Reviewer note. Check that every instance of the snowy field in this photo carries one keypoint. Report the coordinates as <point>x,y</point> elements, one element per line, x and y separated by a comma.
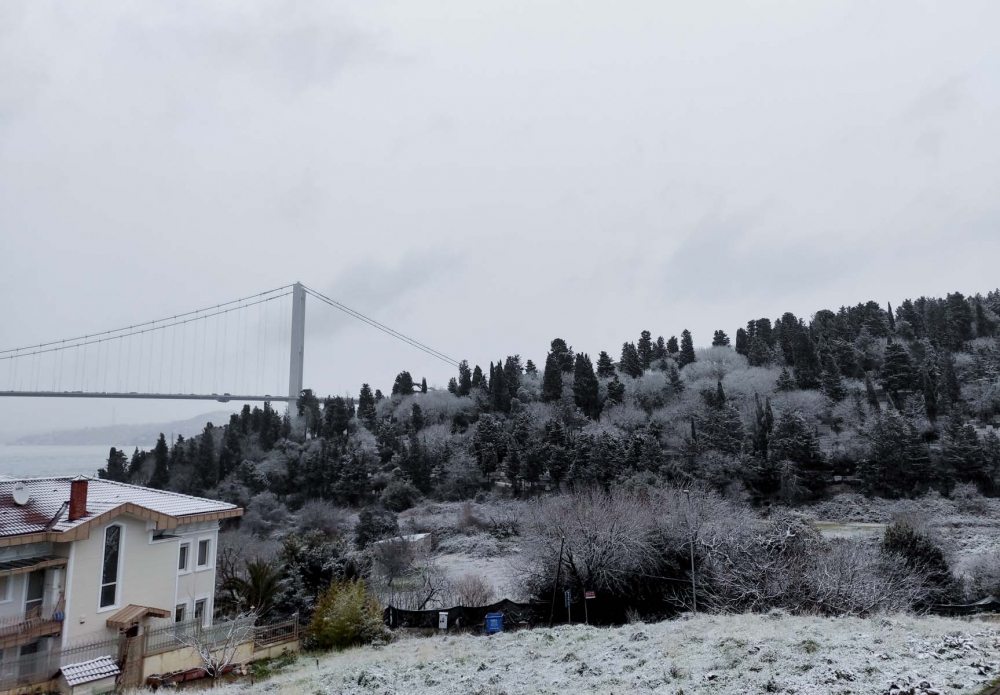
<point>722,655</point>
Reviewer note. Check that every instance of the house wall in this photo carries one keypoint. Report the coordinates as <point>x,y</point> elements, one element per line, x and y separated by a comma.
<point>148,575</point>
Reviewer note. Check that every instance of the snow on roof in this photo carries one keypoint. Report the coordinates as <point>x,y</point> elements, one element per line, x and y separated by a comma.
<point>46,509</point>
<point>88,671</point>
<point>411,538</point>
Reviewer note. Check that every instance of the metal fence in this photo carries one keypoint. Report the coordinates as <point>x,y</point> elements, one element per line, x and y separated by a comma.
<point>43,666</point>
<point>276,632</point>
<point>163,637</point>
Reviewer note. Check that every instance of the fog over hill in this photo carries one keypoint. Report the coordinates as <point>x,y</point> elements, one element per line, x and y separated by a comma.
<point>126,435</point>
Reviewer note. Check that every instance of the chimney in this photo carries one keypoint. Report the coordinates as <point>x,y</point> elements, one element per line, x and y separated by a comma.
<point>77,498</point>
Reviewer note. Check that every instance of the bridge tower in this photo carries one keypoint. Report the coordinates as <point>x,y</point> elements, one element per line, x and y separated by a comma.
<point>298,344</point>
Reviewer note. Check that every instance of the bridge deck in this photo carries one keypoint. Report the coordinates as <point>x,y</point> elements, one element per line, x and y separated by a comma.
<point>221,397</point>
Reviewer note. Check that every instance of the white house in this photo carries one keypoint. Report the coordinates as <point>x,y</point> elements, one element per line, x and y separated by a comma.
<point>84,559</point>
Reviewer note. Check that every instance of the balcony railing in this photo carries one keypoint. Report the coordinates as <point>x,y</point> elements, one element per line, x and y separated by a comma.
<point>34,622</point>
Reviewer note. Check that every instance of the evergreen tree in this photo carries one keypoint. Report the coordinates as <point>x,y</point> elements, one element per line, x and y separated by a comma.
<point>138,458</point>
<point>807,364</point>
<point>793,441</point>
<point>478,382</point>
<point>464,379</point>
<point>499,393</point>
<point>512,372</point>
<point>763,426</point>
<point>929,380</point>
<point>897,460</point>
<point>232,453</point>
<point>720,339</point>
<point>785,381</point>
<point>161,474</point>
<point>672,345</point>
<point>871,395</point>
<point>742,342</point>
<point>630,363</point>
<point>307,406</point>
<point>117,467</point>
<point>644,350</point>
<point>687,349</point>
<point>897,369</point>
<point>366,407</point>
<point>208,470</point>
<point>453,386</point>
<point>674,375</point>
<point>552,379</point>
<point>403,385</point>
<point>336,417</point>
<point>759,355</point>
<point>423,384</point>
<point>833,385</point>
<point>964,456</point>
<point>892,321</point>
<point>605,366</point>
<point>616,390</point>
<point>563,354</point>
<point>952,390</point>
<point>416,418</point>
<point>530,368</point>
<point>586,393</point>
<point>378,396</point>
<point>659,349</point>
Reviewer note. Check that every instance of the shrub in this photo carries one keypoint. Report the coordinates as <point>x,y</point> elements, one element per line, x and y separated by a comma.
<point>468,522</point>
<point>921,554</point>
<point>399,495</point>
<point>374,525</point>
<point>322,516</point>
<point>347,614</point>
<point>473,590</point>
<point>264,515</point>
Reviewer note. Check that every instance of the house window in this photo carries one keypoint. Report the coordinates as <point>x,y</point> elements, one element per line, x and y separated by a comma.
<point>204,548</point>
<point>182,561</point>
<point>35,595</point>
<point>179,612</point>
<point>110,566</point>
<point>4,590</point>
<point>199,610</point>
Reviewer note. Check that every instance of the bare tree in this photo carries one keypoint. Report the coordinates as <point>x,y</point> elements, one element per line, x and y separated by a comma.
<point>218,645</point>
<point>473,590</point>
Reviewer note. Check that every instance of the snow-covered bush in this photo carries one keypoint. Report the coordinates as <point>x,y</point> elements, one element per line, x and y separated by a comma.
<point>347,614</point>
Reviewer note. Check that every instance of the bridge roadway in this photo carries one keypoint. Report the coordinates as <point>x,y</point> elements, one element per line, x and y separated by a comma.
<point>221,397</point>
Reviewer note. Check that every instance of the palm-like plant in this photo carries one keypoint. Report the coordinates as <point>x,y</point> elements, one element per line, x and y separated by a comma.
<point>255,587</point>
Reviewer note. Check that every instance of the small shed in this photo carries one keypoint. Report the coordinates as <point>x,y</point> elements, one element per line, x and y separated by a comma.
<point>93,677</point>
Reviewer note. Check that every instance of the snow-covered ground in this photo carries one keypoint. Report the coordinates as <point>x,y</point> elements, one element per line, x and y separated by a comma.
<point>722,655</point>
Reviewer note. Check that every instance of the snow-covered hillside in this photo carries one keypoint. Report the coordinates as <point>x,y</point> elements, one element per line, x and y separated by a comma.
<point>722,655</point>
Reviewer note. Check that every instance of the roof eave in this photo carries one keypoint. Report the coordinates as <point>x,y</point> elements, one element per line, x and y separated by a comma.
<point>82,531</point>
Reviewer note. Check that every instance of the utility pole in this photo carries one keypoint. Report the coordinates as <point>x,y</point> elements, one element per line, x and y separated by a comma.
<point>555,584</point>
<point>694,581</point>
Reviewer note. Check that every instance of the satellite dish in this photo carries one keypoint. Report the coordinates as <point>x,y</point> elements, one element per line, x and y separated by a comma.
<point>21,494</point>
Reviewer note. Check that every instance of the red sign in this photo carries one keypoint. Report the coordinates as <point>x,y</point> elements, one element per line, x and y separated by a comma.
<point>589,594</point>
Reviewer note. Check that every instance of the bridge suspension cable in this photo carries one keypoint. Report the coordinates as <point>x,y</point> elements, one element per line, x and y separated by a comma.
<point>385,329</point>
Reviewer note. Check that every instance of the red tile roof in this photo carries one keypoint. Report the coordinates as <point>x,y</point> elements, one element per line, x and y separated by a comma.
<point>47,510</point>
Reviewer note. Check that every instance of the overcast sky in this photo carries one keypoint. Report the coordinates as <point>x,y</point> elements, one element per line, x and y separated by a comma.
<point>486,175</point>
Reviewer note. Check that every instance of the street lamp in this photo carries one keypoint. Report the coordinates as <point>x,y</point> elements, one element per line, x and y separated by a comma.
<point>694,584</point>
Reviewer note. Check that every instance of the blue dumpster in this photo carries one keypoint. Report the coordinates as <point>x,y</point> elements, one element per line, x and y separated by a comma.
<point>494,623</point>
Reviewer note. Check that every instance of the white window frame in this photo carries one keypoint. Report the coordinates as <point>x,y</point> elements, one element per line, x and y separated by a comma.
<point>10,591</point>
<point>183,605</point>
<point>120,579</point>
<point>206,617</point>
<point>209,556</point>
<point>187,565</point>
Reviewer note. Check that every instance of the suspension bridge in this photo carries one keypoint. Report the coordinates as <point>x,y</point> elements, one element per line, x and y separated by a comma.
<point>241,350</point>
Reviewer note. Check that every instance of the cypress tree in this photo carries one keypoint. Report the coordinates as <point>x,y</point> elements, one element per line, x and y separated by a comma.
<point>464,378</point>
<point>630,363</point>
<point>453,386</point>
<point>378,395</point>
<point>742,342</point>
<point>231,453</point>
<point>552,379</point>
<point>720,339</point>
<point>892,320</point>
<point>605,365</point>
<point>208,470</point>
<point>416,418</point>
<point>563,354</point>
<point>161,474</point>
<point>423,384</point>
<point>807,365</point>
<point>672,348</point>
<point>586,392</point>
<point>116,468</point>
<point>403,385</point>
<point>530,368</point>
<point>833,385</point>
<point>659,349</point>
<point>687,349</point>
<point>871,394</point>
<point>674,375</point>
<point>478,382</point>
<point>645,350</point>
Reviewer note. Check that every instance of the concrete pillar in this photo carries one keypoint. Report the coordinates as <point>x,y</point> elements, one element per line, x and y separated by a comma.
<point>297,354</point>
